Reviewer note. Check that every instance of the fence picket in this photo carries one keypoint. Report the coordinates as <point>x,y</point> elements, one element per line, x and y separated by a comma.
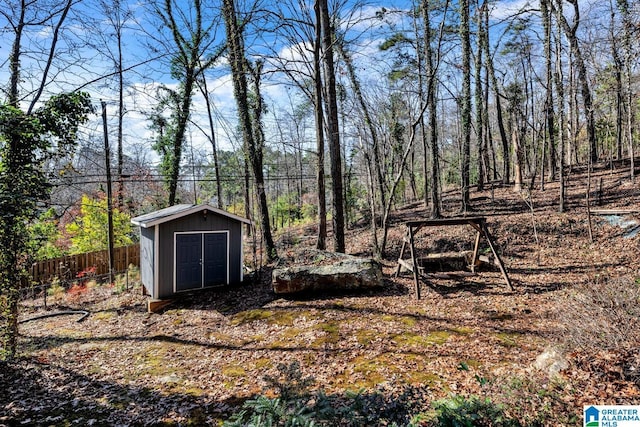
<point>68,266</point>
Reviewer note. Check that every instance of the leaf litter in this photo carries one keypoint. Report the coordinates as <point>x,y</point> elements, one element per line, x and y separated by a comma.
<point>201,357</point>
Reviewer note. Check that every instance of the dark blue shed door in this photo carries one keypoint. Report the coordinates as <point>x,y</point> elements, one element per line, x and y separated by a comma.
<point>215,259</point>
<point>188,261</point>
<point>201,260</point>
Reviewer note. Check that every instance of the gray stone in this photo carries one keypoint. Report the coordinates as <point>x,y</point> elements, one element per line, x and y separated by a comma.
<point>552,361</point>
<point>347,273</point>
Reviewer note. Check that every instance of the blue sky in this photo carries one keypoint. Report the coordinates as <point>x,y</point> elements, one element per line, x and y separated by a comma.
<point>87,64</point>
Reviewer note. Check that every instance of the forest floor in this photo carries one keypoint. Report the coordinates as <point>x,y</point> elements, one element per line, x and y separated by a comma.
<point>199,358</point>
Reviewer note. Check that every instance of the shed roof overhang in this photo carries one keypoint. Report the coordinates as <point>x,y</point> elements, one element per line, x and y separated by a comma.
<point>178,211</point>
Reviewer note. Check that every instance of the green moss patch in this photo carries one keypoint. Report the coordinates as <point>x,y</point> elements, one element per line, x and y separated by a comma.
<point>508,339</point>
<point>331,334</point>
<point>263,363</point>
<point>104,315</point>
<point>234,371</point>
<point>411,339</point>
<point>249,316</point>
<point>366,336</point>
<point>273,317</point>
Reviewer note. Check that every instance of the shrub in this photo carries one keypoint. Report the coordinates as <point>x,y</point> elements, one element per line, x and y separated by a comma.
<point>76,291</point>
<point>473,411</point>
<point>296,405</point>
<point>608,306</point>
<point>56,290</point>
<point>605,315</point>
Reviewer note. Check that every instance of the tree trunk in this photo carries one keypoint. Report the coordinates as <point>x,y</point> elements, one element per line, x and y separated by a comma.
<point>506,161</point>
<point>517,152</point>
<point>335,154</point>
<point>585,90</point>
<point>480,141</point>
<point>549,108</point>
<point>319,117</point>
<point>120,142</point>
<point>618,66</point>
<point>370,126</point>
<point>559,82</point>
<point>623,5</point>
<point>465,104</point>
<point>212,139</point>
<point>432,59</point>
<point>238,62</point>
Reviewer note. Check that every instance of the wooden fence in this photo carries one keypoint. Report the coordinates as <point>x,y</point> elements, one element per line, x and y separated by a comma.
<point>67,267</point>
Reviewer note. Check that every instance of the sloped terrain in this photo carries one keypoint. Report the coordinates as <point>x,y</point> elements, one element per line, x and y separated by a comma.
<point>197,360</point>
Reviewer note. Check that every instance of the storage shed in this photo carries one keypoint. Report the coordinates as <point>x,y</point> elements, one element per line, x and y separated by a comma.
<point>187,247</point>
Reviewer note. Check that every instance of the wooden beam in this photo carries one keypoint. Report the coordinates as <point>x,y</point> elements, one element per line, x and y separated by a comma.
<point>405,264</point>
<point>476,247</point>
<point>416,278</point>
<point>446,221</point>
<point>404,245</point>
<point>155,305</point>
<point>487,235</point>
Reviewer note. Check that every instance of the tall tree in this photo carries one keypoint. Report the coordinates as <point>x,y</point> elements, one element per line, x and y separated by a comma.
<point>629,58</point>
<point>117,14</point>
<point>432,59</point>
<point>194,51</point>
<point>335,154</point>
<point>240,69</point>
<point>319,117</point>
<point>27,141</point>
<point>211,136</point>
<point>549,102</point>
<point>371,134</point>
<point>506,161</point>
<point>571,32</point>
<point>465,103</point>
<point>558,79</point>
<point>483,163</point>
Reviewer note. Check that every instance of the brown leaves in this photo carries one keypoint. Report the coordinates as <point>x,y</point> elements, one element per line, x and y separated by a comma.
<point>205,354</point>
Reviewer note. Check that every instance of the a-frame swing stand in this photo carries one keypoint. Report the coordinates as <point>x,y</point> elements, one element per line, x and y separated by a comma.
<point>478,223</point>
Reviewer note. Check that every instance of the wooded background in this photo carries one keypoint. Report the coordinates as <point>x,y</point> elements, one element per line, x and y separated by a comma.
<point>286,112</point>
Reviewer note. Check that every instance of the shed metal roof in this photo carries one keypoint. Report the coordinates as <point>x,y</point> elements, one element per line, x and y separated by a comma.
<point>178,211</point>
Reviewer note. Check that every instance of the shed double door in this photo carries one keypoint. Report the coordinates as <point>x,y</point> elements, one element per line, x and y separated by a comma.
<point>201,260</point>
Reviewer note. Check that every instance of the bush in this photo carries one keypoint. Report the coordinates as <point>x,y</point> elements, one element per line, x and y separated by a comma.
<point>474,411</point>
<point>56,290</point>
<point>608,306</point>
<point>296,405</point>
<point>605,315</point>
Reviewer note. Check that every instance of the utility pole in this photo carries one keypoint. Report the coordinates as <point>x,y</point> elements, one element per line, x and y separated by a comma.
<point>107,156</point>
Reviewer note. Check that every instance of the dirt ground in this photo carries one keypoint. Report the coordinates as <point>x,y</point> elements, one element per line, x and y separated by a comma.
<point>200,357</point>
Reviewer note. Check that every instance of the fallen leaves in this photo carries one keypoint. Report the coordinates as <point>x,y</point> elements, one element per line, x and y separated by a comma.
<point>201,357</point>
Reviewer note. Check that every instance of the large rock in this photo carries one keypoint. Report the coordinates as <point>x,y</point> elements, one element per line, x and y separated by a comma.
<point>553,361</point>
<point>347,272</point>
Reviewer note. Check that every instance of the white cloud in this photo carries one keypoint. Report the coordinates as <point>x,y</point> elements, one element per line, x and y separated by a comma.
<point>507,8</point>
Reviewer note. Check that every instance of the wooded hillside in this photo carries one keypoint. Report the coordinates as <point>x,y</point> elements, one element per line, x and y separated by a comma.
<point>565,337</point>
<point>327,124</point>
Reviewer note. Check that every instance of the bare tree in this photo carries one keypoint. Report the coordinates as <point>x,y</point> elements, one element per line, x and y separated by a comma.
<point>549,102</point>
<point>118,15</point>
<point>211,136</point>
<point>331,103</point>
<point>571,30</point>
<point>506,161</point>
<point>465,103</point>
<point>240,69</point>
<point>194,50</point>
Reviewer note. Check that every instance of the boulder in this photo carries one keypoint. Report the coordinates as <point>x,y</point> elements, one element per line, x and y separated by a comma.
<point>346,273</point>
<point>551,361</point>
